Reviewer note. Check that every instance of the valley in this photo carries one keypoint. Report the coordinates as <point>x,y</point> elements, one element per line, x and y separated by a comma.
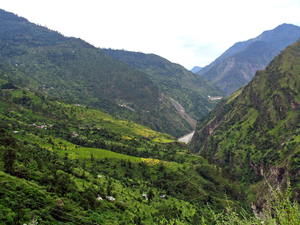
<point>184,90</point>
<point>103,136</point>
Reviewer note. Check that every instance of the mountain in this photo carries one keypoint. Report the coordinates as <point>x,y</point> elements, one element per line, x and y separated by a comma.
<point>72,69</point>
<point>238,69</point>
<point>67,163</point>
<point>237,65</point>
<point>254,133</point>
<point>186,91</point>
<point>196,69</point>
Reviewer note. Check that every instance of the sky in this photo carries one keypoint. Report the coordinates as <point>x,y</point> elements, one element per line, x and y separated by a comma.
<point>188,32</point>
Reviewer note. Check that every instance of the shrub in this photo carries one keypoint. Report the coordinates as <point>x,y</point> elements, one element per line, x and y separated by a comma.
<point>279,209</point>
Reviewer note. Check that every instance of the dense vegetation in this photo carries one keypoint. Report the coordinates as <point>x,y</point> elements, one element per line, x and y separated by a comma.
<point>63,161</point>
<point>68,68</point>
<point>238,65</point>
<point>174,81</point>
<point>63,166</point>
<point>254,134</point>
<point>58,158</point>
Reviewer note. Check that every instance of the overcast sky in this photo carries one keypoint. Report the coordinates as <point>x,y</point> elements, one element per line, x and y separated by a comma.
<point>188,32</point>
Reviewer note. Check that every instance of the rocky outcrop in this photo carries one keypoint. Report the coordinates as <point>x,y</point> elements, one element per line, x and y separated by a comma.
<point>275,179</point>
<point>183,114</point>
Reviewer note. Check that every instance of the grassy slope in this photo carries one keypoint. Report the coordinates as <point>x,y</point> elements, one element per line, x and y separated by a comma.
<point>256,133</point>
<point>188,180</point>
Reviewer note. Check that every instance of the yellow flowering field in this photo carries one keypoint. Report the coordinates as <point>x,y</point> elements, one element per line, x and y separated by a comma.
<point>150,162</point>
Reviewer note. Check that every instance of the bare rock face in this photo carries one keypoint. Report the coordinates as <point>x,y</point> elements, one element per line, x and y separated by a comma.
<point>183,113</point>
<point>275,179</point>
<point>213,126</point>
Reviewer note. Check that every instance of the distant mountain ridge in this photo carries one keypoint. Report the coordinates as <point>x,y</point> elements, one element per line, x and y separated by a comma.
<point>255,56</point>
<point>196,69</point>
<point>174,81</point>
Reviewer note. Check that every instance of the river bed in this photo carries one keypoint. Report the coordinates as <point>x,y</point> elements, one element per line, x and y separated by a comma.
<point>186,138</point>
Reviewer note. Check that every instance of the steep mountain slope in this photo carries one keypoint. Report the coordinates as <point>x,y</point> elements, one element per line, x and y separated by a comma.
<point>238,69</point>
<point>72,69</point>
<point>254,134</point>
<point>174,81</point>
<point>244,58</point>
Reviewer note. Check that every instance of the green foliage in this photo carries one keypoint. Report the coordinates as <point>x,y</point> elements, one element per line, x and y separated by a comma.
<point>9,157</point>
<point>43,60</point>
<point>150,195</point>
<point>8,85</point>
<point>278,209</point>
<point>189,89</point>
<point>70,163</point>
<point>68,156</point>
<point>254,132</point>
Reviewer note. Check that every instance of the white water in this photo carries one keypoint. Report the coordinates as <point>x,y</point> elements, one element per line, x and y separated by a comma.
<point>187,138</point>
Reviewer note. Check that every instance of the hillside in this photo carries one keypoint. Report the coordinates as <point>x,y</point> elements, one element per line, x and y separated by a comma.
<point>67,163</point>
<point>174,81</point>
<point>44,60</point>
<point>237,65</point>
<point>254,133</point>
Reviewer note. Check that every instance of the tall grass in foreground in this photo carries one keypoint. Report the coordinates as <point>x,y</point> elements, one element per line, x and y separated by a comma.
<point>278,209</point>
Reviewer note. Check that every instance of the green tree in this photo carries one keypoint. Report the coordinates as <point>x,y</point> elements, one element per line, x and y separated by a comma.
<point>92,157</point>
<point>20,212</point>
<point>50,141</point>
<point>64,183</point>
<point>150,195</point>
<point>9,157</point>
<point>108,189</point>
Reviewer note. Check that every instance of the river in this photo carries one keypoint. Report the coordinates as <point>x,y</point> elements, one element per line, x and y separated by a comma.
<point>186,138</point>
